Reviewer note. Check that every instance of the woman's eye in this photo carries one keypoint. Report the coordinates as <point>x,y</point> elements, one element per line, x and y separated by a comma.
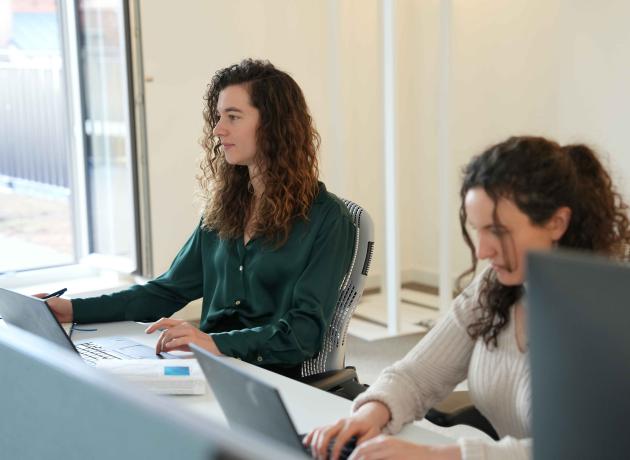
<point>233,117</point>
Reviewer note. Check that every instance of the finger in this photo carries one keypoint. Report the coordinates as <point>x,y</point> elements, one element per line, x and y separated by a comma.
<point>331,437</point>
<point>371,433</point>
<point>163,323</point>
<point>318,446</point>
<point>373,449</point>
<point>40,295</point>
<point>314,441</point>
<point>180,343</point>
<point>159,345</point>
<point>341,439</point>
<point>325,437</point>
<point>309,437</point>
<point>181,329</point>
<point>364,452</point>
<point>178,331</point>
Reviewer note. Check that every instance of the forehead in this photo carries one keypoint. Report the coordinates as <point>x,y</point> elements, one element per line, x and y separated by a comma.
<point>234,96</point>
<point>480,210</point>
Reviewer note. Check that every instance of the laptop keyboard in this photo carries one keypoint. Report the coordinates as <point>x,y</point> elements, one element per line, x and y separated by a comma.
<point>92,352</point>
<point>345,452</point>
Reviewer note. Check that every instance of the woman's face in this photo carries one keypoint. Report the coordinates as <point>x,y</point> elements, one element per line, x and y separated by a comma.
<point>237,125</point>
<point>505,241</point>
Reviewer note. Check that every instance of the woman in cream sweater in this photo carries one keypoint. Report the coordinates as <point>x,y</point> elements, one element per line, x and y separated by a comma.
<point>526,193</point>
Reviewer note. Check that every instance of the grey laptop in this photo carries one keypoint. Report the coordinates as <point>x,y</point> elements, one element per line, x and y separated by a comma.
<point>251,403</point>
<point>34,315</point>
<point>579,322</point>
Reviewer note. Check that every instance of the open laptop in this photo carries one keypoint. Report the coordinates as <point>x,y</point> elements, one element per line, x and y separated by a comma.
<point>34,315</point>
<point>579,339</point>
<point>251,403</point>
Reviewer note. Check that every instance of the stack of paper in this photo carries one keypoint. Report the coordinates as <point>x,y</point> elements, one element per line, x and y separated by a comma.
<point>161,376</point>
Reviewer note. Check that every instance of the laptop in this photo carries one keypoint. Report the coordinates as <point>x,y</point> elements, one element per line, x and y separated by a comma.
<point>34,315</point>
<point>579,329</point>
<point>251,403</point>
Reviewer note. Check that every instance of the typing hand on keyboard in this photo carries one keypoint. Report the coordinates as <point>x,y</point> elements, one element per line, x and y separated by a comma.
<point>366,423</point>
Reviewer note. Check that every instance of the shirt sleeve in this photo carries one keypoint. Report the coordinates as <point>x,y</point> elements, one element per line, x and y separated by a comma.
<point>430,371</point>
<point>157,298</point>
<point>298,334</point>
<point>508,447</point>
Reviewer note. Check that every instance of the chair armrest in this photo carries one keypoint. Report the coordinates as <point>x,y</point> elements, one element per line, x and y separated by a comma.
<point>342,382</point>
<point>330,379</point>
<point>464,416</point>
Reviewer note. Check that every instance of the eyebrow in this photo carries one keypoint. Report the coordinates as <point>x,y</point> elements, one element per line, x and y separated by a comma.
<point>231,109</point>
<point>484,227</point>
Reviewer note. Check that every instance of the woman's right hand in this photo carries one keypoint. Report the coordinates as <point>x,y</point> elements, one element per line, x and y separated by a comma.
<point>364,424</point>
<point>62,308</point>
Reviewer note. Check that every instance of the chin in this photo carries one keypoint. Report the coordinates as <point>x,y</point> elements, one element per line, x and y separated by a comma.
<point>509,279</point>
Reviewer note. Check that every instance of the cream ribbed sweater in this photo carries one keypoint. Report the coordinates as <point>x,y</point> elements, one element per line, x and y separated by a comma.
<point>498,381</point>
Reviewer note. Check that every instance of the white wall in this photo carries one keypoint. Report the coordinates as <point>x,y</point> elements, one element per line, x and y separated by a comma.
<point>593,87</point>
<point>557,67</point>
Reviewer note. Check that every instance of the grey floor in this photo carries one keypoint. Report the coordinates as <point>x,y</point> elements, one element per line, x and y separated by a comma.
<point>370,357</point>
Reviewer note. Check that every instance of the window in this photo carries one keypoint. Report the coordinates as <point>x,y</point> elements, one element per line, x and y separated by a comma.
<point>67,173</point>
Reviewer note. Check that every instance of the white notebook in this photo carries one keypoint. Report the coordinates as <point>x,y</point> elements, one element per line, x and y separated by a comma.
<point>160,376</point>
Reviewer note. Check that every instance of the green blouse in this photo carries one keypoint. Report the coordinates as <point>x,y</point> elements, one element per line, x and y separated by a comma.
<point>265,305</point>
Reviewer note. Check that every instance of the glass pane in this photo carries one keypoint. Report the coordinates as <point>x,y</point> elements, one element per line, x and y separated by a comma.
<point>35,190</point>
<point>108,158</point>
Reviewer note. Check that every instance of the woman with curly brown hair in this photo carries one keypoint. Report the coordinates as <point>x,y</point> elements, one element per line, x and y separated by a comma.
<point>527,193</point>
<point>272,246</point>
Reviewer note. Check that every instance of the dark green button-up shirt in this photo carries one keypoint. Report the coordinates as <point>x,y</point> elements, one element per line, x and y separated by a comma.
<point>266,305</point>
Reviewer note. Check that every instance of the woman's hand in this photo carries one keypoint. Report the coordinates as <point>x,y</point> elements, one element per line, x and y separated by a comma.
<point>365,424</point>
<point>387,447</point>
<point>61,308</point>
<point>177,334</point>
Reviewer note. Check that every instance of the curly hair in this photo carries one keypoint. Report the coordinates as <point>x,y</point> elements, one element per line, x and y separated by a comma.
<point>539,176</point>
<point>287,145</point>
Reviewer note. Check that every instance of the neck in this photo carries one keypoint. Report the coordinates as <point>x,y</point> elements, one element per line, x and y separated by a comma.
<point>255,177</point>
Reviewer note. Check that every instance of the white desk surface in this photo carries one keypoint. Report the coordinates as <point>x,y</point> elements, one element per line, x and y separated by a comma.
<point>309,407</point>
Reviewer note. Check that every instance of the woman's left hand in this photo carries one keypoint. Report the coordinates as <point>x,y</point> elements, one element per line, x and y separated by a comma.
<point>177,334</point>
<point>387,447</point>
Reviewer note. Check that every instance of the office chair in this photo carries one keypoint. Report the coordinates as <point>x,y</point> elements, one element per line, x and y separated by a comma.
<point>327,370</point>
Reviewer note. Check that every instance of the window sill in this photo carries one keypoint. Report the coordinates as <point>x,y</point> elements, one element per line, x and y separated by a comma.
<point>80,280</point>
<point>83,281</point>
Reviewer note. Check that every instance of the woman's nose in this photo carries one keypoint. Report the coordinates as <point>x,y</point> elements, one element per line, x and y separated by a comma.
<point>219,129</point>
<point>485,249</point>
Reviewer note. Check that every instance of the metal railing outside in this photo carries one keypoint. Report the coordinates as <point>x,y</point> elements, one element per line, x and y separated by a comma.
<point>34,143</point>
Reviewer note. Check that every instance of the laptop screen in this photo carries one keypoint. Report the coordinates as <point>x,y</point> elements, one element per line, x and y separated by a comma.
<point>247,401</point>
<point>33,315</point>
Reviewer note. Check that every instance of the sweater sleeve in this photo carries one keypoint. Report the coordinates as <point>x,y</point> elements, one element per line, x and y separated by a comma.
<point>430,371</point>
<point>508,447</point>
<point>158,298</point>
<point>297,335</point>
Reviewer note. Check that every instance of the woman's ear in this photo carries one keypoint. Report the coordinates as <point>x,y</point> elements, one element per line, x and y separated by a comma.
<point>559,222</point>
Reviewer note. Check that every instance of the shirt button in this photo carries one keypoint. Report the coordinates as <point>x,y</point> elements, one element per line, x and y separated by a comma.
<point>259,359</point>
<point>238,302</point>
<point>240,269</point>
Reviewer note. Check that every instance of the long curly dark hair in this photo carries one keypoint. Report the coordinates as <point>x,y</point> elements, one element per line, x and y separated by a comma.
<point>539,176</point>
<point>287,145</point>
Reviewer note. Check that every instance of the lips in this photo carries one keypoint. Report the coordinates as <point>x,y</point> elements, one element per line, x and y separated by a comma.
<point>227,146</point>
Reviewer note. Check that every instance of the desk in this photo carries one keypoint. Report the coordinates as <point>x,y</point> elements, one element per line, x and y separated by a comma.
<point>309,407</point>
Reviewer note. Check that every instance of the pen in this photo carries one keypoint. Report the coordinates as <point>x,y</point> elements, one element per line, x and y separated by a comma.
<point>58,293</point>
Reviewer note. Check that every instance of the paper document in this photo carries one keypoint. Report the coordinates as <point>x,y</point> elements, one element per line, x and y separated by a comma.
<point>161,376</point>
